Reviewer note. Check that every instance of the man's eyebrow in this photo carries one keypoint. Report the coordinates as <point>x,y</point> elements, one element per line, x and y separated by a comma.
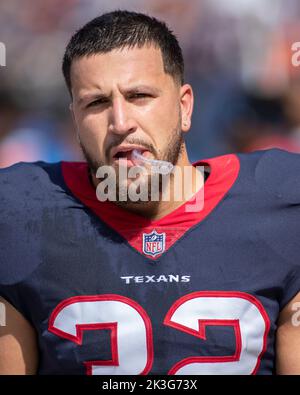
<point>89,97</point>
<point>132,89</point>
<point>148,88</point>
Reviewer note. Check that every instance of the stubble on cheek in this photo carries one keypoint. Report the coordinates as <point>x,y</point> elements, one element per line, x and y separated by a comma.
<point>170,153</point>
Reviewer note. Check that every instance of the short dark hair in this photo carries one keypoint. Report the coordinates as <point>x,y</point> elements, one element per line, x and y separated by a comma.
<point>120,29</point>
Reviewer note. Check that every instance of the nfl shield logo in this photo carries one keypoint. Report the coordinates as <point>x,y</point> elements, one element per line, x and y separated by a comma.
<point>154,243</point>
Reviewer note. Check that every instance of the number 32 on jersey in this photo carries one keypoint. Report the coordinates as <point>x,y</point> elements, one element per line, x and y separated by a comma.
<point>131,330</point>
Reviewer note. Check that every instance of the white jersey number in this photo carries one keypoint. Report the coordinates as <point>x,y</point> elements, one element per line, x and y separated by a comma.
<point>131,330</point>
<point>193,312</point>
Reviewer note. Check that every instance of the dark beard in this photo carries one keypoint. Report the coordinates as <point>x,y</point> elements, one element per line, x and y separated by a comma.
<point>172,155</point>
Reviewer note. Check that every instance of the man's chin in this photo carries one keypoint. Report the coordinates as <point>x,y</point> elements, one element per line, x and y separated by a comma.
<point>140,191</point>
<point>135,191</point>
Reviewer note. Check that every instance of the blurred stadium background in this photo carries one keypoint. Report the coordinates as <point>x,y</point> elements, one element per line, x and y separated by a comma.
<point>238,59</point>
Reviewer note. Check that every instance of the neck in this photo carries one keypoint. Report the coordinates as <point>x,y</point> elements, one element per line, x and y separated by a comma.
<point>181,186</point>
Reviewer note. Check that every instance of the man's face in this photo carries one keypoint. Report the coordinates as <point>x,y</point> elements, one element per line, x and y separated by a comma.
<point>123,100</point>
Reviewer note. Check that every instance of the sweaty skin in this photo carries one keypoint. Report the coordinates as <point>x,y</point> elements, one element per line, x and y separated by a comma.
<point>125,97</point>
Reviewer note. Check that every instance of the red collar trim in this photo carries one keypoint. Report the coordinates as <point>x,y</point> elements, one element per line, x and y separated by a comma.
<point>223,173</point>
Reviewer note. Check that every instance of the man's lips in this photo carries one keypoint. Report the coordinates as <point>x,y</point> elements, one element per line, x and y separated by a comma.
<point>125,152</point>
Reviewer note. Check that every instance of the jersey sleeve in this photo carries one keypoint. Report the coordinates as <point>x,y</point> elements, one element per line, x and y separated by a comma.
<point>10,294</point>
<point>277,174</point>
<point>20,222</point>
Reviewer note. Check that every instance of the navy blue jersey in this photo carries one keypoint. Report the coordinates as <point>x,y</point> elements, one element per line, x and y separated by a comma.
<point>195,292</point>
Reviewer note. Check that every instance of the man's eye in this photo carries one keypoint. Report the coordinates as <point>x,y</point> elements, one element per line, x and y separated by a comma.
<point>139,95</point>
<point>96,102</point>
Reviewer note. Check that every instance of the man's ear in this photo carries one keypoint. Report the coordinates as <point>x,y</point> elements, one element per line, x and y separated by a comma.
<point>71,110</point>
<point>187,105</point>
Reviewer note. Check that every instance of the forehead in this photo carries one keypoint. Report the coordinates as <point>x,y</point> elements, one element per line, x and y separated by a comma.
<point>120,67</point>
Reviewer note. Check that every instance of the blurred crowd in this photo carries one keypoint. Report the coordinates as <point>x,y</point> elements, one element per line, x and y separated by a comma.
<point>238,60</point>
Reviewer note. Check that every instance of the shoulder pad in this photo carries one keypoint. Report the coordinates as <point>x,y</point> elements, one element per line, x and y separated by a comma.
<point>23,188</point>
<point>278,173</point>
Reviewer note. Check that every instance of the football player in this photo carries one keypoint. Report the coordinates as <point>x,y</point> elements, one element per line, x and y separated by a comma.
<point>205,284</point>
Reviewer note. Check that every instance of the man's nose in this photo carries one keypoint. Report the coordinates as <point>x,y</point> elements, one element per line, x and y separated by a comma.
<point>121,120</point>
